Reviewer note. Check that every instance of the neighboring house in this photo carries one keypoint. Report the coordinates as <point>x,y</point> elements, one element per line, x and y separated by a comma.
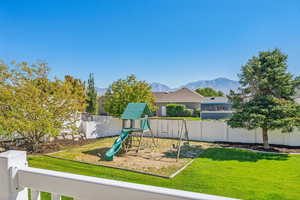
<point>216,108</point>
<point>297,100</point>
<point>183,96</point>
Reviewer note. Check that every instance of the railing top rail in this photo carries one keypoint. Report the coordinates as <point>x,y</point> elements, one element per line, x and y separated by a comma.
<point>91,188</point>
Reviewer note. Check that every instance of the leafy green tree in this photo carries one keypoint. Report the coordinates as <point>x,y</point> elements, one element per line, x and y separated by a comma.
<point>209,92</point>
<point>36,107</point>
<point>265,99</point>
<point>76,88</point>
<point>124,91</point>
<point>91,96</point>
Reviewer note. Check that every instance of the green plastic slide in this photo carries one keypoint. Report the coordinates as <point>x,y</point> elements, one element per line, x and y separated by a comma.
<point>109,155</point>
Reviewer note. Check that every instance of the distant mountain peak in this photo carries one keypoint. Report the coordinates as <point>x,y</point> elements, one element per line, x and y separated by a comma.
<point>159,87</point>
<point>223,84</point>
<point>222,79</point>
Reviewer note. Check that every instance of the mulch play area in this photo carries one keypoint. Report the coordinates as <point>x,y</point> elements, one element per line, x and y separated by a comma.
<point>48,147</point>
<point>156,160</point>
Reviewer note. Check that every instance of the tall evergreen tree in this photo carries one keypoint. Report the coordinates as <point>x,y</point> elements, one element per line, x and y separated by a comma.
<point>265,99</point>
<point>91,95</point>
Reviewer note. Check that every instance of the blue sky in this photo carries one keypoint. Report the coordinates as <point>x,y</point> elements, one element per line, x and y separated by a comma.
<point>167,41</point>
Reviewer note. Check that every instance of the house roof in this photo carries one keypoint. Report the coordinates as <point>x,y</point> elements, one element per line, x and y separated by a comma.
<point>215,100</point>
<point>135,111</point>
<point>182,95</point>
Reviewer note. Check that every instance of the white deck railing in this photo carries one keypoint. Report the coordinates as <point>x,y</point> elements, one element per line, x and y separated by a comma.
<point>16,177</point>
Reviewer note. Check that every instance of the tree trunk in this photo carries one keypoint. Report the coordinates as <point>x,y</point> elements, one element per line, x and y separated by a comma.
<point>35,147</point>
<point>265,138</point>
<point>34,142</point>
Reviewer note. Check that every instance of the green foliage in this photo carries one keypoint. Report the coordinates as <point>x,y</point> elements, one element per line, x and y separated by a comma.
<point>188,112</point>
<point>34,106</point>
<point>275,176</point>
<point>265,99</point>
<point>124,91</point>
<point>178,110</point>
<point>267,112</point>
<point>196,112</point>
<point>175,110</point>
<point>209,92</point>
<point>91,93</point>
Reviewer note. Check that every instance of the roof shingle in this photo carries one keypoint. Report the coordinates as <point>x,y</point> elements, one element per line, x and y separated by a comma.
<point>182,95</point>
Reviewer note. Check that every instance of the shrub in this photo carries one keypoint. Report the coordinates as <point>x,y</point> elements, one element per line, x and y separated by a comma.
<point>187,113</point>
<point>178,110</point>
<point>175,110</point>
<point>196,113</point>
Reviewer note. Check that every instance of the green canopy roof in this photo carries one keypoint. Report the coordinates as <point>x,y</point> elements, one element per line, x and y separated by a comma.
<point>136,111</point>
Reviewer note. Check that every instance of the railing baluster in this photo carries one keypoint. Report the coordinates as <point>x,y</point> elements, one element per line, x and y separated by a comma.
<point>55,197</point>
<point>35,195</point>
<point>15,175</point>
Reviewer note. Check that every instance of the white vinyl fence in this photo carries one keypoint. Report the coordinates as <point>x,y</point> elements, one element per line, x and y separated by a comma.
<point>202,130</point>
<point>16,177</point>
<point>101,126</point>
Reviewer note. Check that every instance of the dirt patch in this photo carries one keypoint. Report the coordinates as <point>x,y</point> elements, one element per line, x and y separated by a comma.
<point>159,159</point>
<point>259,147</point>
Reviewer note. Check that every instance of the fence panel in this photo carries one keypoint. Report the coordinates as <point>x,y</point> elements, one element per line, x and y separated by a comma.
<point>241,135</point>
<point>204,130</point>
<point>293,139</point>
<point>102,126</point>
<point>195,130</point>
<point>276,136</point>
<point>163,128</point>
<point>214,130</point>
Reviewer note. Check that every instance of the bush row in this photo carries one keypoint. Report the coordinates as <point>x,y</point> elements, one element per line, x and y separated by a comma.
<point>179,110</point>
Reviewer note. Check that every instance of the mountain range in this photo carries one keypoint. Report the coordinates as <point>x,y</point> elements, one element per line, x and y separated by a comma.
<point>222,84</point>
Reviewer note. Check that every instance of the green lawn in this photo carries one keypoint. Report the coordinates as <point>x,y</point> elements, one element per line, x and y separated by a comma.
<point>227,172</point>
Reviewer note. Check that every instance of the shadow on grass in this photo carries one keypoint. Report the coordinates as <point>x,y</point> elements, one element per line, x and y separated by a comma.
<point>100,152</point>
<point>186,151</point>
<point>222,154</point>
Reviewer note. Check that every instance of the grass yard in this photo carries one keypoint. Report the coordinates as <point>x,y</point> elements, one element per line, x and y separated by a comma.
<point>227,172</point>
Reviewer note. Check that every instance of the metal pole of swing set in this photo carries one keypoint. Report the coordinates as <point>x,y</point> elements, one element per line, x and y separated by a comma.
<point>179,142</point>
<point>186,134</point>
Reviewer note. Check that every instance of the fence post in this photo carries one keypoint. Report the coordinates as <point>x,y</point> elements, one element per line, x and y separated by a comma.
<point>10,162</point>
<point>227,133</point>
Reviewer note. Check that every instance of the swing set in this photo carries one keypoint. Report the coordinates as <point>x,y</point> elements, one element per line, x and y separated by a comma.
<point>182,136</point>
<point>131,133</point>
